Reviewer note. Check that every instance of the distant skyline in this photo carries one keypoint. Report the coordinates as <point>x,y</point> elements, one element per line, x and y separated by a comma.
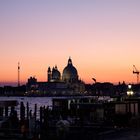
<point>101,36</point>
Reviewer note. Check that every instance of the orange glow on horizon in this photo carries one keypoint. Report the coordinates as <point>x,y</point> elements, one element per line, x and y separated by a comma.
<point>86,74</point>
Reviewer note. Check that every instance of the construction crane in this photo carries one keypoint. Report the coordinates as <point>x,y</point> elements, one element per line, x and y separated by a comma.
<point>135,71</point>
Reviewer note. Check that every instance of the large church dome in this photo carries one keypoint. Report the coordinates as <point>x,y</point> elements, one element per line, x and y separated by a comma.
<point>70,73</point>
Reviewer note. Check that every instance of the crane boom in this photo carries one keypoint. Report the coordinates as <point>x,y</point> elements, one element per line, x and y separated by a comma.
<point>135,71</point>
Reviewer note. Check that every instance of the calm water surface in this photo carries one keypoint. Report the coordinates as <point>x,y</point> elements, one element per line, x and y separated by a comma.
<point>40,101</point>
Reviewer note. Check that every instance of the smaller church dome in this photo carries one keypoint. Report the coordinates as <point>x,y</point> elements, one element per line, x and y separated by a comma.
<point>55,74</point>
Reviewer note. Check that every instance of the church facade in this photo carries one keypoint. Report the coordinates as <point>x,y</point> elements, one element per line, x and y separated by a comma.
<point>67,83</point>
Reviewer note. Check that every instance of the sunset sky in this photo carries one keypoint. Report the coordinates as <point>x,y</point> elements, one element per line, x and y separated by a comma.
<point>101,36</point>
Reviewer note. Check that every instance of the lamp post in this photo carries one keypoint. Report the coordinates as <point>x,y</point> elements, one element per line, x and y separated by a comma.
<point>130,91</point>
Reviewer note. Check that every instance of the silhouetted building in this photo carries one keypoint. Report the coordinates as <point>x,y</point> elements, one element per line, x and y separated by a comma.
<point>67,84</point>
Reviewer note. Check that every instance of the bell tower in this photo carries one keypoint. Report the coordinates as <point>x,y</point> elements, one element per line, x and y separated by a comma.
<point>49,74</point>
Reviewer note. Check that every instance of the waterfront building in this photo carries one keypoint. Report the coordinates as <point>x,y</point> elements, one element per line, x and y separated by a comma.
<point>67,83</point>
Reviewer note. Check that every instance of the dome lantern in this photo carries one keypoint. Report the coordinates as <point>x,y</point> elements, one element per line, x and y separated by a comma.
<point>69,61</point>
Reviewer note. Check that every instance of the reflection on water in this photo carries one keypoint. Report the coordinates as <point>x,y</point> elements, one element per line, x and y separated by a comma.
<point>40,101</point>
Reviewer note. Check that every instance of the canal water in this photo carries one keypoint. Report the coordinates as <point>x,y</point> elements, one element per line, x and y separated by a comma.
<point>40,101</point>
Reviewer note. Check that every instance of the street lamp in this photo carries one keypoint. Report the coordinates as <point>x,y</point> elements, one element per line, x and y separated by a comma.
<point>130,91</point>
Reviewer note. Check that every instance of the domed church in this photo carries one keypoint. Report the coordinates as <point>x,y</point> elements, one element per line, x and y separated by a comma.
<point>66,84</point>
<point>70,74</point>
